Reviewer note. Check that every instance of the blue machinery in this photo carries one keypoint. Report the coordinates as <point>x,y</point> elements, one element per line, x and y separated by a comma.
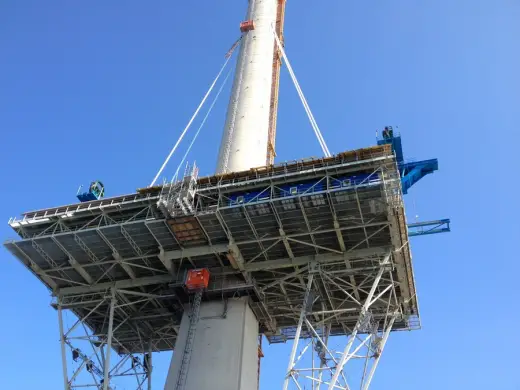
<point>430,227</point>
<point>411,172</point>
<point>313,186</point>
<point>96,191</point>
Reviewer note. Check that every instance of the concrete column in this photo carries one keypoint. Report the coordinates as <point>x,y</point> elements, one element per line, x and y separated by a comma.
<point>225,350</point>
<point>244,142</point>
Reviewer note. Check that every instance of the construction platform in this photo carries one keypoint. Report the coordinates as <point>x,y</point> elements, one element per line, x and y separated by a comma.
<point>259,233</point>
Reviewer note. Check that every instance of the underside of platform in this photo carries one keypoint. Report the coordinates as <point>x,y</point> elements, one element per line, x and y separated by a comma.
<point>257,231</point>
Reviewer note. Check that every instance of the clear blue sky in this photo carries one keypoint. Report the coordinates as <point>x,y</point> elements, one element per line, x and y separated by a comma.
<point>97,89</point>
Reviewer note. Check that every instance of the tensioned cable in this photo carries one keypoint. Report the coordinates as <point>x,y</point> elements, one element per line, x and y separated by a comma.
<point>190,122</point>
<point>314,125</point>
<point>202,123</point>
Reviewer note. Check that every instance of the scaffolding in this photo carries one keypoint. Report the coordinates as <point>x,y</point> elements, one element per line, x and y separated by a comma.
<point>178,197</point>
<point>319,246</point>
<point>88,358</point>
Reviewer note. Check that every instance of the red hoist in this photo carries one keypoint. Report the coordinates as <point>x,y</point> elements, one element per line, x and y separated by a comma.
<point>197,280</point>
<point>247,25</point>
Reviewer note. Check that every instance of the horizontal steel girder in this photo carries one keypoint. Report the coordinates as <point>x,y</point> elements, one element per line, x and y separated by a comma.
<point>256,266</point>
<point>196,251</point>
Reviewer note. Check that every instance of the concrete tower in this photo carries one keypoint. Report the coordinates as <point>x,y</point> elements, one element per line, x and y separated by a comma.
<point>244,142</point>
<point>224,350</point>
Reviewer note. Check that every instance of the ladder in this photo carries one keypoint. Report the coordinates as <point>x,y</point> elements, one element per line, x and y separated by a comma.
<point>186,354</point>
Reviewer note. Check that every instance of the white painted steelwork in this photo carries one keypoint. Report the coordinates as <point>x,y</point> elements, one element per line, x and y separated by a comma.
<point>244,142</point>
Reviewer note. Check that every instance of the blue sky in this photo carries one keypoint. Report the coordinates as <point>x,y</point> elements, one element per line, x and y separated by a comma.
<point>101,90</point>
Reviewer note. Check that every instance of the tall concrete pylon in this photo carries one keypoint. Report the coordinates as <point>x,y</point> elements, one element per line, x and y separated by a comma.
<point>244,142</point>
<point>224,351</point>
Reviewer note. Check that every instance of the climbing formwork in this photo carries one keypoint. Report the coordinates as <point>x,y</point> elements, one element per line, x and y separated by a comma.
<point>318,248</point>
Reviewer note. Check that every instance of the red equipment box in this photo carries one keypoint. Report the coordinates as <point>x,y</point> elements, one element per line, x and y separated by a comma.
<point>197,279</point>
<point>248,25</point>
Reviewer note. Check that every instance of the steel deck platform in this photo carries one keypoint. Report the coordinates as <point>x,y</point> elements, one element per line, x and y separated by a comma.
<point>259,236</point>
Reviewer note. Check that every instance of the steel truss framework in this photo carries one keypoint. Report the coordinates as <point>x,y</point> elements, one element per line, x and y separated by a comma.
<point>320,366</point>
<point>266,248</point>
<point>88,358</point>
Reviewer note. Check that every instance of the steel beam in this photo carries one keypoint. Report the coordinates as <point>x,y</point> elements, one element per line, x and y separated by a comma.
<point>126,283</point>
<point>379,353</point>
<point>303,314</point>
<point>263,265</point>
<point>302,260</point>
<point>33,266</point>
<point>63,351</point>
<point>345,357</point>
<point>148,363</point>
<point>196,251</point>
<point>109,339</point>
